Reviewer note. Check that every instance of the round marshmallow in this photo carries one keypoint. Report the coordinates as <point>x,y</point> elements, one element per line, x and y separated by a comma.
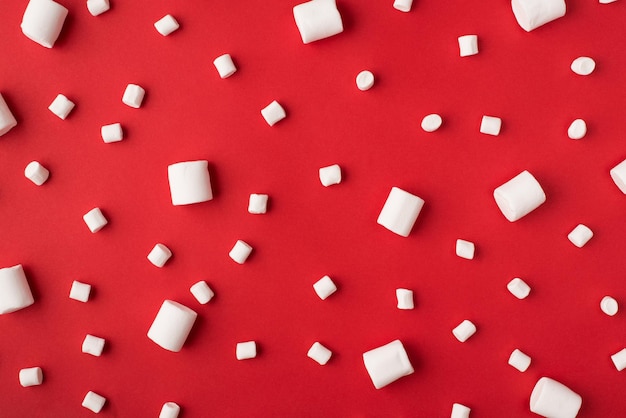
<point>190,182</point>
<point>36,173</point>
<point>15,293</point>
<point>172,325</point>
<point>609,305</point>
<point>583,65</point>
<point>43,21</point>
<point>552,399</point>
<point>577,129</point>
<point>431,122</point>
<point>365,80</point>
<point>225,66</point>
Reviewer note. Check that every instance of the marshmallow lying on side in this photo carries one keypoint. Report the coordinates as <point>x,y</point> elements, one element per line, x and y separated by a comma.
<point>531,14</point>
<point>464,330</point>
<point>133,96</point>
<point>387,363</point>
<point>80,291</point>
<point>170,410</point>
<point>273,113</point>
<point>190,182</point>
<point>7,120</point>
<point>258,203</point>
<point>403,5</point>
<point>319,353</point>
<point>490,125</point>
<point>61,106</point>
<point>580,235</point>
<point>15,293</point>
<point>552,399</point>
<point>460,411</point>
<point>36,173</point>
<point>400,211</point>
<point>93,345</point>
<point>619,360</point>
<point>159,255</point>
<point>518,288</point>
<point>246,350</point>
<point>519,360</point>
<point>465,249</point>
<point>172,325</point>
<point>43,21</point>
<point>32,376</point>
<point>240,252</point>
<point>330,175</point>
<point>618,174</point>
<point>324,287</point>
<point>94,402</point>
<point>519,196</point>
<point>95,220</point>
<point>112,133</point>
<point>317,19</point>
<point>97,7</point>
<point>202,292</point>
<point>224,65</point>
<point>166,25</point>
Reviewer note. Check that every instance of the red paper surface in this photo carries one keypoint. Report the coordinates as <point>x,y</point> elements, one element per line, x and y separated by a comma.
<point>309,231</point>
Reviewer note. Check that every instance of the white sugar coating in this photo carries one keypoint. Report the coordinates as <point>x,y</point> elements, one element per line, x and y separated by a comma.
<point>518,288</point>
<point>519,360</point>
<point>190,182</point>
<point>583,65</point>
<point>159,255</point>
<point>7,120</point>
<point>330,175</point>
<point>365,80</point>
<point>577,129</point>
<point>95,220</point>
<point>93,345</point>
<point>387,363</point>
<point>609,305</point>
<point>324,287</point>
<point>460,411</point>
<point>400,211</point>
<point>465,249</point>
<point>619,360</point>
<point>169,410</point>
<point>246,350</point>
<point>468,45</point>
<point>94,402</point>
<point>258,204</point>
<point>43,21</point>
<point>36,173</point>
<point>552,399</point>
<point>580,235</point>
<point>317,19</point>
<point>530,14</point>
<point>166,25</point>
<point>97,7</point>
<point>15,292</point>
<point>405,299</point>
<point>224,65</point>
<point>431,122</point>
<point>519,196</point>
<point>240,252</point>
<point>273,113</point>
<point>112,133</point>
<point>618,174</point>
<point>172,325</point>
<point>464,330</point>
<point>319,353</point>
<point>133,96</point>
<point>61,106</point>
<point>403,5</point>
<point>490,125</point>
<point>32,376</point>
<point>80,291</point>
<point>202,292</point>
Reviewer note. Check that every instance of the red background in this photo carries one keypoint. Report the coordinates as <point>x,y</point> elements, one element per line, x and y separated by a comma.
<point>190,113</point>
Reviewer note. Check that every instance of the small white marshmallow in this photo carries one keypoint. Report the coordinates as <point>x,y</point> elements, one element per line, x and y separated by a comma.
<point>172,325</point>
<point>36,173</point>
<point>531,14</point>
<point>468,45</point>
<point>365,80</point>
<point>133,96</point>
<point>94,402</point>
<point>246,350</point>
<point>490,125</point>
<point>431,122</point>
<point>93,345</point>
<point>258,203</point>
<point>159,255</point>
<point>95,220</point>
<point>202,292</point>
<point>580,235</point>
<point>330,175</point>
<point>319,353</point>
<point>224,65</point>
<point>170,410</point>
<point>61,106</point>
<point>405,299</point>
<point>97,7</point>
<point>609,305</point>
<point>577,129</point>
<point>166,25</point>
<point>518,288</point>
<point>619,360</point>
<point>7,120</point>
<point>273,113</point>
<point>80,291</point>
<point>32,376</point>
<point>112,133</point>
<point>15,292</point>
<point>460,411</point>
<point>618,174</point>
<point>240,252</point>
<point>464,330</point>
<point>583,65</point>
<point>519,360</point>
<point>465,249</point>
<point>324,287</point>
<point>403,5</point>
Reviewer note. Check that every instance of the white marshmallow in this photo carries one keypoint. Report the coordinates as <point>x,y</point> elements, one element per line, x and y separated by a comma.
<point>7,120</point>
<point>166,25</point>
<point>577,129</point>
<point>583,65</point>
<point>609,305</point>
<point>80,291</point>
<point>580,235</point>
<point>387,363</point>
<point>531,14</point>
<point>172,325</point>
<point>190,182</point>
<point>464,330</point>
<point>224,65</point>
<point>519,196</point>
<point>330,175</point>
<point>93,345</point>
<point>273,113</point>
<point>61,106</point>
<point>619,360</point>
<point>36,173</point>
<point>159,255</point>
<point>32,376</point>
<point>258,203</point>
<point>170,410</point>
<point>246,350</point>
<point>403,5</point>
<point>133,96</point>
<point>324,287</point>
<point>319,353</point>
<point>607,1</point>
<point>465,249</point>
<point>94,402</point>
<point>460,411</point>
<point>518,288</point>
<point>405,299</point>
<point>431,122</point>
<point>490,125</point>
<point>112,133</point>
<point>202,292</point>
<point>317,19</point>
<point>15,293</point>
<point>97,7</point>
<point>400,211</point>
<point>519,360</point>
<point>95,220</point>
<point>240,252</point>
<point>618,174</point>
<point>43,21</point>
<point>552,399</point>
<point>468,45</point>
<point>365,80</point>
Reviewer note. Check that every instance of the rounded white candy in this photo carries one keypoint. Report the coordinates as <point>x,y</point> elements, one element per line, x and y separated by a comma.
<point>577,130</point>
<point>36,173</point>
<point>583,65</point>
<point>224,66</point>
<point>95,220</point>
<point>31,377</point>
<point>190,182</point>
<point>133,96</point>
<point>202,292</point>
<point>172,325</point>
<point>166,25</point>
<point>403,5</point>
<point>15,293</point>
<point>97,7</point>
<point>159,255</point>
<point>240,252</point>
<point>609,305</point>
<point>552,399</point>
<point>431,122</point>
<point>169,410</point>
<point>43,21</point>
<point>531,14</point>
<point>365,80</point>
<point>112,133</point>
<point>519,196</point>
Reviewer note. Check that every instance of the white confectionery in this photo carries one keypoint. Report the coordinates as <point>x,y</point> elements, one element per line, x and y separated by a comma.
<point>619,360</point>
<point>319,353</point>
<point>519,360</point>
<point>330,175</point>
<point>258,203</point>
<point>61,106</point>
<point>519,196</point>
<point>580,235</point>
<point>97,7</point>
<point>190,182</point>
<point>95,220</point>
<point>618,174</point>
<point>15,293</point>
<point>405,299</point>
<point>324,287</point>
<point>465,249</point>
<point>387,363</point>
<point>80,291</point>
<point>317,19</point>
<point>431,122</point>
<point>273,113</point>
<point>464,330</point>
<point>94,402</point>
<point>531,14</point>
<point>577,129</point>
<point>43,21</point>
<point>246,350</point>
<point>460,411</point>
<point>468,45</point>
<point>583,65</point>
<point>170,410</point>
<point>403,5</point>
<point>112,133</point>
<point>365,80</point>
<point>609,305</point>
<point>400,211</point>
<point>172,325</point>
<point>7,120</point>
<point>240,252</point>
<point>552,399</point>
<point>166,25</point>
<point>36,173</point>
<point>133,96</point>
<point>32,376</point>
<point>490,125</point>
<point>518,288</point>
<point>93,345</point>
<point>607,1</point>
<point>224,65</point>
<point>159,255</point>
<point>202,292</point>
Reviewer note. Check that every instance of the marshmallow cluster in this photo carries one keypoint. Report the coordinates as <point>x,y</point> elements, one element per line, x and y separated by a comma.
<point>400,211</point>
<point>552,399</point>
<point>172,325</point>
<point>317,19</point>
<point>43,21</point>
<point>7,120</point>
<point>387,363</point>
<point>15,293</point>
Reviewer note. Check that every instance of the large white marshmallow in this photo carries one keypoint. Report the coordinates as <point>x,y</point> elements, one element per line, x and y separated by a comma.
<point>258,203</point>
<point>112,133</point>
<point>170,410</point>
<point>43,21</point>
<point>465,249</point>
<point>330,175</point>
<point>519,196</point>
<point>552,399</point>
<point>202,292</point>
<point>246,350</point>
<point>387,363</point>
<point>166,25</point>
<point>190,182</point>
<point>319,353</point>
<point>36,173</point>
<point>324,287</point>
<point>619,360</point>
<point>609,305</point>
<point>224,65</point>
<point>460,411</point>
<point>490,125</point>
<point>94,402</point>
<point>97,7</point>
<point>93,345</point>
<point>133,96</point>
<point>15,293</point>
<point>464,330</point>
<point>317,19</point>
<point>159,255</point>
<point>80,291</point>
<point>580,235</point>
<point>240,252</point>
<point>7,120</point>
<point>531,14</point>
<point>95,220</point>
<point>519,360</point>
<point>400,211</point>
<point>172,325</point>
<point>403,5</point>
<point>518,288</point>
<point>32,376</point>
<point>405,299</point>
<point>468,45</point>
<point>618,174</point>
<point>273,113</point>
<point>583,65</point>
<point>61,106</point>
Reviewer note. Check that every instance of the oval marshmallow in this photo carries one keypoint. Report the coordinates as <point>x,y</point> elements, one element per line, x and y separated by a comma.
<point>43,21</point>
<point>530,14</point>
<point>431,122</point>
<point>609,305</point>
<point>15,293</point>
<point>365,80</point>
<point>36,173</point>
<point>577,130</point>
<point>519,196</point>
<point>317,19</point>
<point>172,325</point>
<point>7,120</point>
<point>583,65</point>
<point>552,399</point>
<point>190,182</point>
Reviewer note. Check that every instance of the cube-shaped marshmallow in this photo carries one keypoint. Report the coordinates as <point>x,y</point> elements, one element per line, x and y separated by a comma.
<point>93,345</point>
<point>95,220</point>
<point>166,25</point>
<point>240,252</point>
<point>519,360</point>
<point>97,7</point>
<point>273,113</point>
<point>258,203</point>
<point>159,255</point>
<point>324,287</point>
<point>133,96</point>
<point>405,299</point>
<point>330,175</point>
<point>202,292</point>
<point>465,249</point>
<point>400,211</point>
<point>580,235</point>
<point>94,402</point>
<point>468,45</point>
<point>490,125</point>
<point>319,353</point>
<point>518,288</point>
<point>112,133</point>
<point>80,291</point>
<point>246,350</point>
<point>464,330</point>
<point>33,376</point>
<point>619,360</point>
<point>61,106</point>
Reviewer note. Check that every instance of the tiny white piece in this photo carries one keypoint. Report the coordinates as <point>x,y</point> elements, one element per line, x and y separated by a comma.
<point>172,325</point>
<point>519,196</point>
<point>405,299</point>
<point>468,45</point>
<point>61,106</point>
<point>97,7</point>
<point>202,292</point>
<point>519,360</point>
<point>190,182</point>
<point>319,353</point>
<point>43,21</point>
<point>583,65</point>
<point>403,5</point>
<point>490,125</point>
<point>577,129</point>
<point>431,122</point>
<point>93,345</point>
<point>365,80</point>
<point>324,287</point>
<point>36,173</point>
<point>7,120</point>
<point>518,288</point>
<point>258,203</point>
<point>531,14</point>
<point>246,350</point>
<point>317,19</point>
<point>619,360</point>
<point>330,175</point>
<point>166,25</point>
<point>387,363</point>
<point>170,410</point>
<point>133,96</point>
<point>80,291</point>
<point>465,249</point>
<point>15,293</point>
<point>94,402</point>
<point>618,174</point>
<point>464,330</point>
<point>607,1</point>
<point>609,305</point>
<point>400,211</point>
<point>580,235</point>
<point>224,65</point>
<point>95,220</point>
<point>32,376</point>
<point>552,399</point>
<point>159,255</point>
<point>240,252</point>
<point>112,133</point>
<point>273,113</point>
<point>460,411</point>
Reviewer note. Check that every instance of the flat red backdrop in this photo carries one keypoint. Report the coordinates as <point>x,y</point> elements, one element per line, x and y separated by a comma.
<point>310,231</point>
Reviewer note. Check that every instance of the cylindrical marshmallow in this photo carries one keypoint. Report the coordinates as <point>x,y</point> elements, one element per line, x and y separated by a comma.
<point>518,288</point>
<point>364,80</point>
<point>387,363</point>
<point>246,350</point>
<point>133,96</point>
<point>95,220</point>
<point>169,410</point>
<point>93,345</point>
<point>258,203</point>
<point>330,175</point>
<point>112,133</point>
<point>519,196</point>
<point>519,360</point>
<point>324,287</point>
<point>468,45</point>
<point>609,305</point>
<point>61,106</point>
<point>403,5</point>
<point>80,291</point>
<point>400,211</point>
<point>317,19</point>
<point>465,249</point>
<point>619,360</point>
<point>202,292</point>
<point>490,125</point>
<point>273,113</point>
<point>190,182</point>
<point>240,252</point>
<point>43,21</point>
<point>15,293</point>
<point>405,299</point>
<point>7,120</point>
<point>552,399</point>
<point>531,14</point>
<point>319,353</point>
<point>32,376</point>
<point>618,174</point>
<point>431,122</point>
<point>460,411</point>
<point>97,7</point>
<point>583,65</point>
<point>172,325</point>
<point>577,129</point>
<point>224,65</point>
<point>94,402</point>
<point>464,330</point>
<point>36,173</point>
<point>159,255</point>
<point>166,25</point>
